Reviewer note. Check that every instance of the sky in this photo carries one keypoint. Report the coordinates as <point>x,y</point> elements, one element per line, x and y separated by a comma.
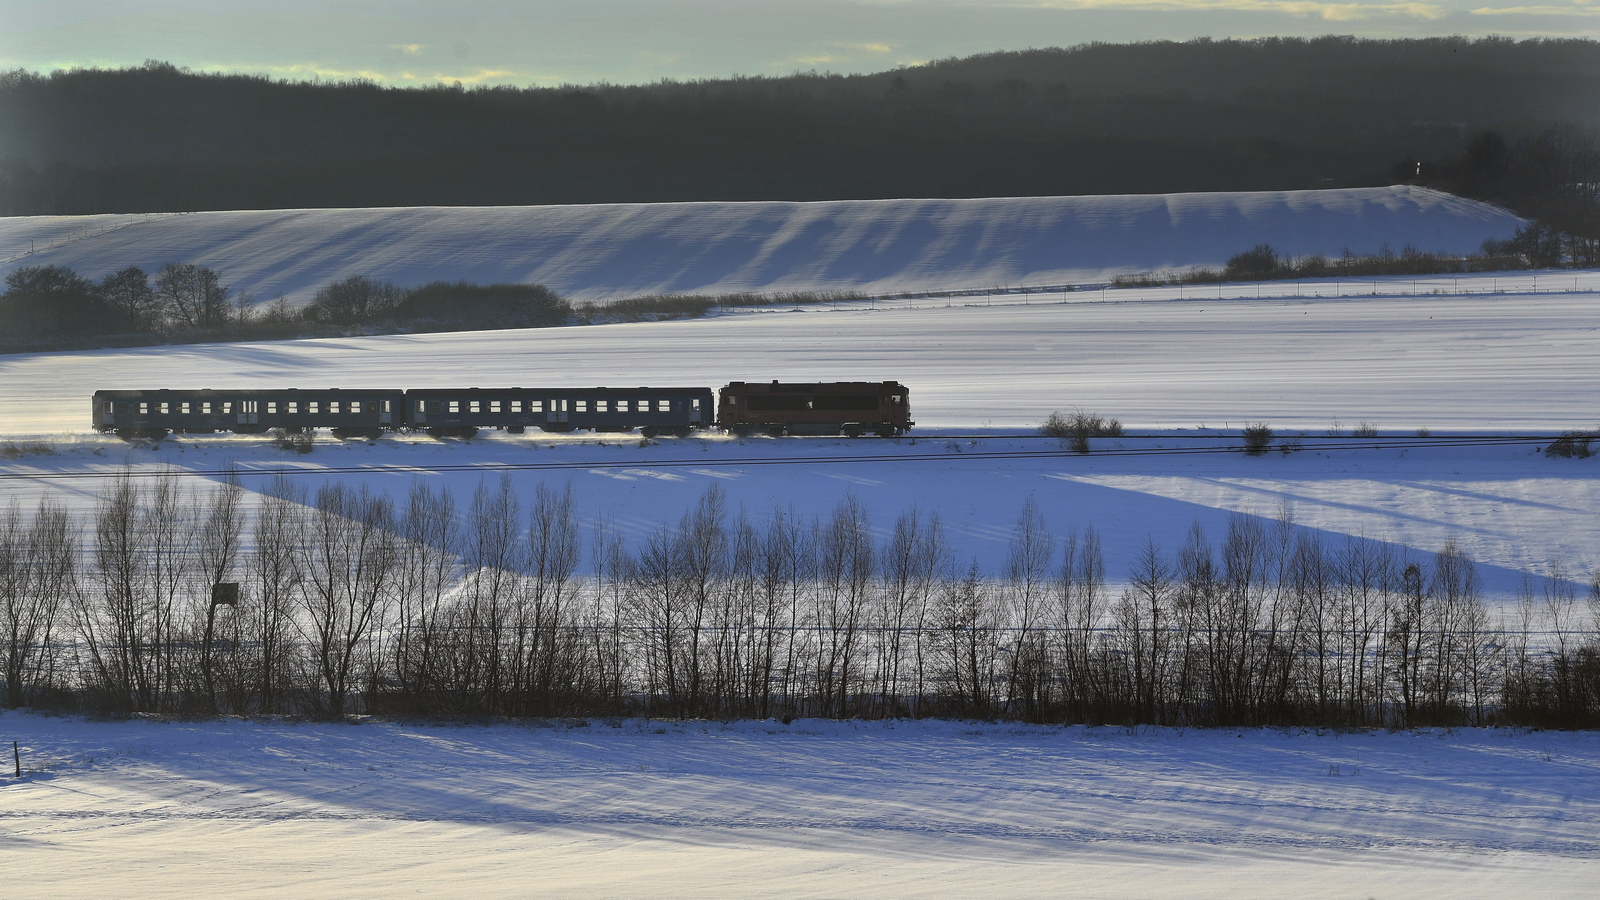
<point>549,42</point>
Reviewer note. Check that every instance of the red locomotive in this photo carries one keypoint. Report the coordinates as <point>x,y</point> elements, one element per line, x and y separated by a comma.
<point>852,408</point>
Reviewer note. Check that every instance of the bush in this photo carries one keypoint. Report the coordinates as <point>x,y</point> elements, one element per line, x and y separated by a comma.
<point>1257,438</point>
<point>300,441</point>
<point>1076,429</point>
<point>1364,430</point>
<point>1572,444</point>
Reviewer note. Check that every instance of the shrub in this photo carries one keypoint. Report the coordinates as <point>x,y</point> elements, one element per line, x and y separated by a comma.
<point>1076,429</point>
<point>1572,444</point>
<point>1364,430</point>
<point>1257,437</point>
<point>298,441</point>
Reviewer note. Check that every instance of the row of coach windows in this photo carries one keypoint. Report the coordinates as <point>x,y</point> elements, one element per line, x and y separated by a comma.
<point>538,406</point>
<point>291,407</point>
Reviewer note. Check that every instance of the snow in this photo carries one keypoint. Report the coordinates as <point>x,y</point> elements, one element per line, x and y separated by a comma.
<point>628,808</point>
<point>600,251</point>
<point>1492,357</point>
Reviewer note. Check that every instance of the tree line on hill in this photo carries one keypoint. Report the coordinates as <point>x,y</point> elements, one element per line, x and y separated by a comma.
<point>350,601</point>
<point>1270,113</point>
<point>54,307</point>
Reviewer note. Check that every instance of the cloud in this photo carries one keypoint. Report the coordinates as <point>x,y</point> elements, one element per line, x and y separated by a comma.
<point>408,49</point>
<point>295,71</point>
<point>1332,12</point>
<point>1580,10</point>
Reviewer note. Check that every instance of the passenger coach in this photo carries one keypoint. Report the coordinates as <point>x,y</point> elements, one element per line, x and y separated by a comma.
<point>155,414</point>
<point>651,410</point>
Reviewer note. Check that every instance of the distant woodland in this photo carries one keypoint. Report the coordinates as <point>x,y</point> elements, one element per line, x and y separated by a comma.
<point>1276,113</point>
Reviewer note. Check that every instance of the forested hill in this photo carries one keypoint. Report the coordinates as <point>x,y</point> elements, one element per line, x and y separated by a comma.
<point>1139,118</point>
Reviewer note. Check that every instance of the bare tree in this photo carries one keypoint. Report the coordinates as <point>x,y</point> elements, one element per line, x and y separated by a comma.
<point>38,578</point>
<point>350,566</point>
<point>193,296</point>
<point>128,292</point>
<point>1027,588</point>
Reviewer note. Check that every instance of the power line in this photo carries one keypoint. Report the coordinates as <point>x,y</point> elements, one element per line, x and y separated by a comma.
<point>1343,444</point>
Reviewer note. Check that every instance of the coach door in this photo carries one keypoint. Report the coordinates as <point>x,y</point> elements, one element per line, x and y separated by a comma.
<point>249,412</point>
<point>556,412</point>
<point>385,412</point>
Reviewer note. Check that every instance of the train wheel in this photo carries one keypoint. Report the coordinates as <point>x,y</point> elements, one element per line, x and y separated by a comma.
<point>515,429</point>
<point>156,434</point>
<point>774,431</point>
<point>128,434</point>
<point>374,433</point>
<point>649,431</point>
<point>466,432</point>
<point>884,431</point>
<point>343,434</point>
<point>438,433</point>
<point>852,431</point>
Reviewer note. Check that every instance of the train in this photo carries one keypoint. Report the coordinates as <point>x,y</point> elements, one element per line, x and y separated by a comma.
<point>776,408</point>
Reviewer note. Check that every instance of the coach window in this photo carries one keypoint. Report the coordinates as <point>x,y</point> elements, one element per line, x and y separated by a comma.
<point>333,406</point>
<point>453,406</point>
<point>226,406</point>
<point>205,407</point>
<point>535,406</point>
<point>663,406</point>
<point>494,406</point>
<point>272,406</point>
<point>581,406</point>
<point>516,406</point>
<point>622,406</point>
<point>183,407</point>
<point>602,406</point>
<point>144,409</point>
<point>111,408</point>
<point>472,406</point>
<point>313,406</point>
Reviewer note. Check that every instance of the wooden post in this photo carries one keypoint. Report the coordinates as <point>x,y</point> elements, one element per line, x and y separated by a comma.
<point>16,755</point>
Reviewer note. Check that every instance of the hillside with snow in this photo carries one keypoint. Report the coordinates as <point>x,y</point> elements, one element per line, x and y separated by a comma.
<point>881,246</point>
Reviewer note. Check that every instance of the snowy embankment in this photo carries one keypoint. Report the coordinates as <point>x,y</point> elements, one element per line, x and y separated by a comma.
<point>1461,362</point>
<point>601,251</point>
<point>762,809</point>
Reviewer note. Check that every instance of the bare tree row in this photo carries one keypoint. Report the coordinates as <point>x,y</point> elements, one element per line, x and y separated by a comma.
<point>354,602</point>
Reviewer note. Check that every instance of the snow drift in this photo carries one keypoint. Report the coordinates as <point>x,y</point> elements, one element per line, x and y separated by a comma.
<point>600,251</point>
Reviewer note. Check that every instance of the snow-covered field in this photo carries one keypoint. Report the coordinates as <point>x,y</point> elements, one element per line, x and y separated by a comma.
<point>809,809</point>
<point>596,252</point>
<point>1505,361</point>
<point>882,809</point>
